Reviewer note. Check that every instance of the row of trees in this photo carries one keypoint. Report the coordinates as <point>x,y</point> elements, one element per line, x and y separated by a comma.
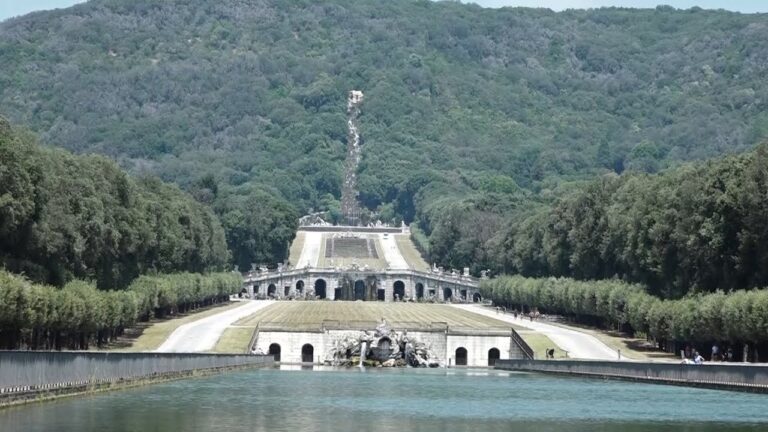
<point>64,217</point>
<point>737,317</point>
<point>697,228</point>
<point>78,315</point>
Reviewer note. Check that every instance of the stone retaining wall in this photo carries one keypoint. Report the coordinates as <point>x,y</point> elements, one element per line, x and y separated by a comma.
<point>727,376</point>
<point>29,375</point>
<point>443,344</point>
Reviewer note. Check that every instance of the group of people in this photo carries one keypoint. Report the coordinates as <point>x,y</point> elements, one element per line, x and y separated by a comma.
<point>532,315</point>
<point>719,355</point>
<point>695,358</point>
<point>692,356</point>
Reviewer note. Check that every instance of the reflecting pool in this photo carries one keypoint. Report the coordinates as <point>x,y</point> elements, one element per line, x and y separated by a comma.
<point>396,400</point>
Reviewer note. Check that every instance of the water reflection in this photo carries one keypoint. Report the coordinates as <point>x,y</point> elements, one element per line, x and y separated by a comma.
<point>293,398</point>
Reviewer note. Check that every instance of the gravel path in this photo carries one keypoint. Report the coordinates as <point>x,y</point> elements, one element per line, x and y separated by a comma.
<point>202,335</point>
<point>578,344</point>
<point>392,254</point>
<point>310,254</point>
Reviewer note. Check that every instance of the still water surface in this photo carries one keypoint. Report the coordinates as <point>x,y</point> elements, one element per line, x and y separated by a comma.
<point>397,400</point>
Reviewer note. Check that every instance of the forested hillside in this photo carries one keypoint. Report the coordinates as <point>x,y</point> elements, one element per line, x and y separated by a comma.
<point>65,217</point>
<point>474,119</point>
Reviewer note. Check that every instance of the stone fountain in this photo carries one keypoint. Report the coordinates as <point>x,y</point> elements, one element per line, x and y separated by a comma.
<point>382,347</point>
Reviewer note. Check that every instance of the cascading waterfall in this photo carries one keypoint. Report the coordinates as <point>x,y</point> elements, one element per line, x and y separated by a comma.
<point>350,208</point>
<point>363,350</point>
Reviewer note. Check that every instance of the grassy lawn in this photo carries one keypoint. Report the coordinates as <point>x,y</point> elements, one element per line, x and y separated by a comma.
<point>311,315</point>
<point>404,244</point>
<point>157,332</point>
<point>234,340</point>
<point>540,343</point>
<point>410,253</point>
<point>294,253</point>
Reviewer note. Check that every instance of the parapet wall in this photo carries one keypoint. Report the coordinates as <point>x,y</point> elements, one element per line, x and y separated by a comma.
<point>726,376</point>
<point>357,229</point>
<point>31,375</point>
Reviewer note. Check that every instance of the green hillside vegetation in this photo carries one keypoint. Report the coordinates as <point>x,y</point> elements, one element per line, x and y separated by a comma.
<point>474,119</point>
<point>76,316</point>
<point>64,217</point>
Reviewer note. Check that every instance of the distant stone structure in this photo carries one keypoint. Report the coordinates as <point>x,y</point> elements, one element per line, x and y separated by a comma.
<point>416,345</point>
<point>360,283</point>
<point>350,207</point>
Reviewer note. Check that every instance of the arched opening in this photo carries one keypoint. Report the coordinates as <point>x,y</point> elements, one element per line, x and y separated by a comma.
<point>271,289</point>
<point>463,295</point>
<point>419,291</point>
<point>360,290</point>
<point>493,355</point>
<point>274,350</point>
<point>286,291</point>
<point>300,287</point>
<point>383,349</point>
<point>320,288</point>
<point>380,294</point>
<point>477,298</point>
<point>385,343</point>
<point>447,293</point>
<point>461,356</point>
<point>399,291</point>
<point>307,353</point>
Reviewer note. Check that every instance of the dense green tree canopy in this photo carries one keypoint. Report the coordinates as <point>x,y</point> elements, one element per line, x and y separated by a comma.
<point>35,316</point>
<point>741,316</point>
<point>469,112</point>
<point>65,216</point>
<point>700,227</point>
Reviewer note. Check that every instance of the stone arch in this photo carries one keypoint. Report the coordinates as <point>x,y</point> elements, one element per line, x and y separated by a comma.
<point>271,290</point>
<point>359,289</point>
<point>477,298</point>
<point>300,287</point>
<point>307,353</point>
<point>419,291</point>
<point>493,355</point>
<point>384,343</point>
<point>398,290</point>
<point>447,293</point>
<point>274,350</point>
<point>320,288</point>
<point>461,356</point>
